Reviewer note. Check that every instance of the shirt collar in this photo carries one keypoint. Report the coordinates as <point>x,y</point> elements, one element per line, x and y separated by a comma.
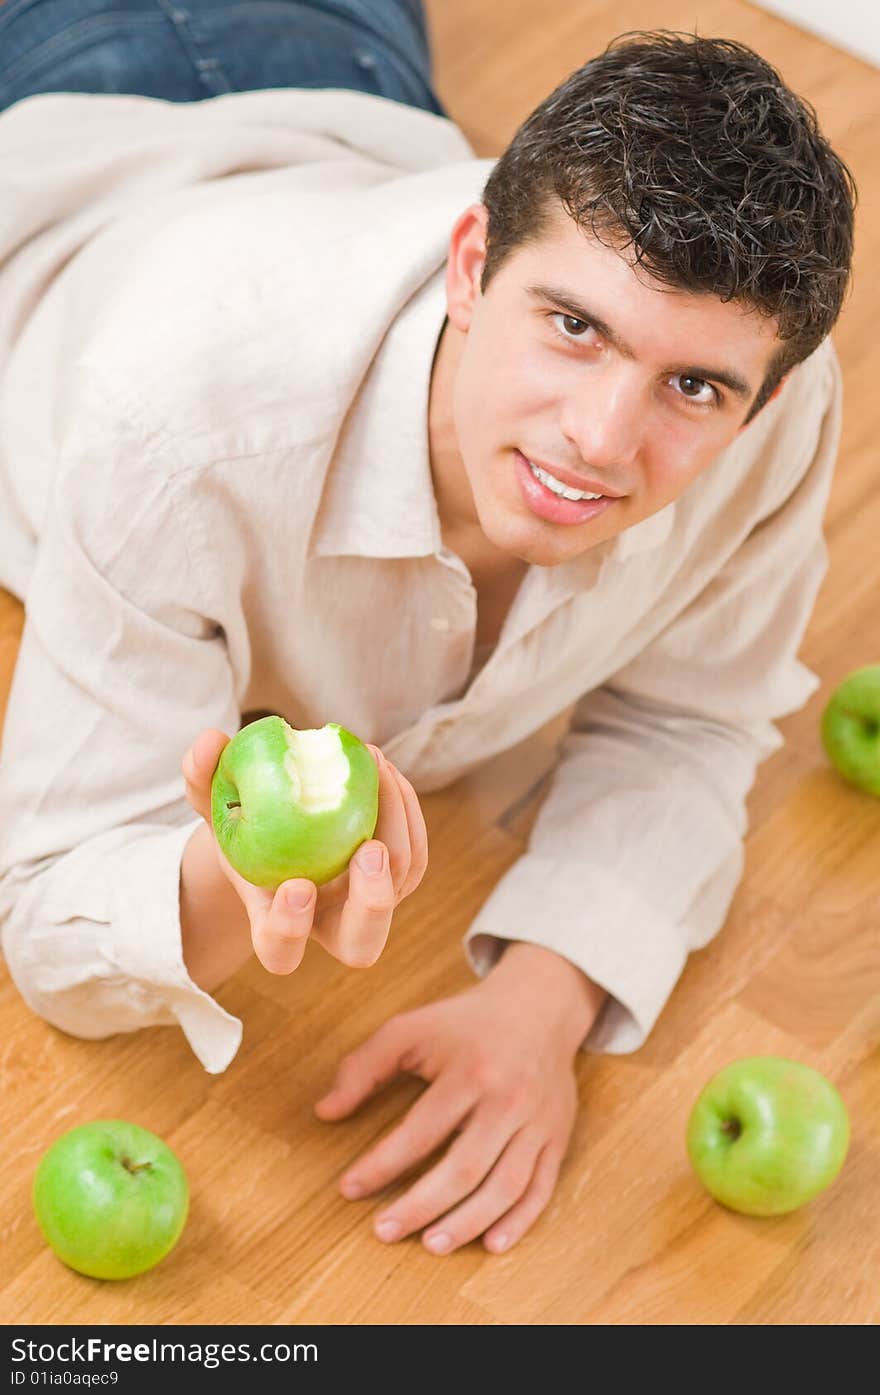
<point>651,533</point>
<point>582,573</point>
<point>388,510</point>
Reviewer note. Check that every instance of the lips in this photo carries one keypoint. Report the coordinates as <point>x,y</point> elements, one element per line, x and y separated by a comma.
<point>571,479</point>
<point>552,508</point>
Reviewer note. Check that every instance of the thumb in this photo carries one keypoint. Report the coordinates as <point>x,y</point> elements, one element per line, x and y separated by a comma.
<point>365,1070</point>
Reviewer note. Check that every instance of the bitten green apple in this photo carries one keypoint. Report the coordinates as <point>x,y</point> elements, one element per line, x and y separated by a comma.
<point>767,1134</point>
<point>851,729</point>
<point>288,803</point>
<point>110,1198</point>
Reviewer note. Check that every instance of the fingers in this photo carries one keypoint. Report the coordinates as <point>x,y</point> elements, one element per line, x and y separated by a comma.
<point>494,1180</point>
<point>362,1071</point>
<point>281,931</point>
<point>428,1122</point>
<point>381,873</point>
<point>460,1172</point>
<point>509,1201</point>
<point>401,827</point>
<point>281,921</point>
<point>391,825</point>
<point>198,766</point>
<point>418,836</point>
<point>355,933</point>
<point>521,1217</point>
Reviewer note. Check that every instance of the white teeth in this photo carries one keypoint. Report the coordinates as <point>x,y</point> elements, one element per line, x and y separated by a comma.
<point>557,487</point>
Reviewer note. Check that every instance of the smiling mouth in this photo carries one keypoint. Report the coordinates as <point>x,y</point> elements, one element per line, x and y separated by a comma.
<point>556,486</point>
<point>568,484</point>
<point>555,500</point>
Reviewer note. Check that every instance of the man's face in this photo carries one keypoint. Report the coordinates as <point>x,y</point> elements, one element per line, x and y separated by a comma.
<point>578,364</point>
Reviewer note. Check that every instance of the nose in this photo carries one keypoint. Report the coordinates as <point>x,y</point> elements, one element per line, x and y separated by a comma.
<point>604,417</point>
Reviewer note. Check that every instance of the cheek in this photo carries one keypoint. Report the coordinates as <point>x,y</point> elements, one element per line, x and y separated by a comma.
<point>537,380</point>
<point>503,386</point>
<point>677,455</point>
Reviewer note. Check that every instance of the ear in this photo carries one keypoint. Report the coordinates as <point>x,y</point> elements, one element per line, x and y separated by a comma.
<point>464,264</point>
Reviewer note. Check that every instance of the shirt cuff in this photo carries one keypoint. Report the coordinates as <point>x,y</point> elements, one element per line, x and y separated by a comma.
<point>597,921</point>
<point>146,947</point>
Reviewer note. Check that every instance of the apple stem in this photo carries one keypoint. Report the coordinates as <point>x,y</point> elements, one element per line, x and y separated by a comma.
<point>733,1127</point>
<point>232,804</point>
<point>871,725</point>
<point>131,1166</point>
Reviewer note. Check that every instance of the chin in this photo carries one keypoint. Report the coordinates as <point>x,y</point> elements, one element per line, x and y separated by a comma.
<point>524,539</point>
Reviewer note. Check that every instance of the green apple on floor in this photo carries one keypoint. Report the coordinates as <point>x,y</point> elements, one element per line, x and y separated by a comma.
<point>110,1198</point>
<point>851,729</point>
<point>288,803</point>
<point>767,1134</point>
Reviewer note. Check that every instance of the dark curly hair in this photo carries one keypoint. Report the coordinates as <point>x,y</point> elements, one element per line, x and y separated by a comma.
<point>693,153</point>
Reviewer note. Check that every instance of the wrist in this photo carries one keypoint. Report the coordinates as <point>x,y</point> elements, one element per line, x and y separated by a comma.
<point>542,977</point>
<point>214,928</point>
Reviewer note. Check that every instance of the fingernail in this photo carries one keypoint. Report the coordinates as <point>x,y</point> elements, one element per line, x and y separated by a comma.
<point>296,898</point>
<point>352,1188</point>
<point>439,1244</point>
<point>389,1230</point>
<point>499,1243</point>
<point>371,860</point>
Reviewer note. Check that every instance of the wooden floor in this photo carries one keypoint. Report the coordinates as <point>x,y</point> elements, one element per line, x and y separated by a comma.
<point>630,1237</point>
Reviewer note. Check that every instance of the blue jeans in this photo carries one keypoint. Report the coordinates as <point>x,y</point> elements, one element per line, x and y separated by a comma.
<point>192,49</point>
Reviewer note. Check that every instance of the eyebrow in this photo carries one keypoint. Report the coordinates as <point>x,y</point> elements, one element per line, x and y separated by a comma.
<point>563,298</point>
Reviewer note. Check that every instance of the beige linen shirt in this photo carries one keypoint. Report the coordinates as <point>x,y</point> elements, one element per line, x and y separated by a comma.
<point>217,324</point>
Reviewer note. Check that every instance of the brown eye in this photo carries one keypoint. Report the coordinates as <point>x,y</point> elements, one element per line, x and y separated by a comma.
<point>695,389</point>
<point>569,327</point>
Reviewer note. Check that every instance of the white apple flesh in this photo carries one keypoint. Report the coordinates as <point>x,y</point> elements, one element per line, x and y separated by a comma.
<point>293,803</point>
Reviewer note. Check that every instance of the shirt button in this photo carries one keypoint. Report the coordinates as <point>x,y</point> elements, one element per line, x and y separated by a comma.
<point>439,622</point>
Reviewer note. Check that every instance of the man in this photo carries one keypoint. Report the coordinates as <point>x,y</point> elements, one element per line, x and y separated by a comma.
<point>314,453</point>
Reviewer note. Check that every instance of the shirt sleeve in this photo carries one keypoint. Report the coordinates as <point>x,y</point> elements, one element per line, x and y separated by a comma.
<point>120,666</point>
<point>637,851</point>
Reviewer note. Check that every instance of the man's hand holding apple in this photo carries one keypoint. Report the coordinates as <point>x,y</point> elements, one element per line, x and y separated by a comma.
<point>349,916</point>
